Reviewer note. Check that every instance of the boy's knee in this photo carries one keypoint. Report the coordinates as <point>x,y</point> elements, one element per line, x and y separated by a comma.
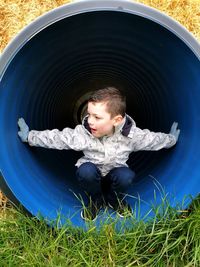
<point>122,177</point>
<point>129,175</point>
<point>87,171</point>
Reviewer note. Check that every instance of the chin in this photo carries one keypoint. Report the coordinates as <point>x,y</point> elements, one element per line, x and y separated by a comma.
<point>97,135</point>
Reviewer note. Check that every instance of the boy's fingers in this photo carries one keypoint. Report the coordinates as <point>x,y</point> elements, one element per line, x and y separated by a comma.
<point>21,122</point>
<point>174,126</point>
<point>20,134</point>
<point>20,119</point>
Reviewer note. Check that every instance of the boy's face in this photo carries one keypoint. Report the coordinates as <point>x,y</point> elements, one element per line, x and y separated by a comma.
<point>100,120</point>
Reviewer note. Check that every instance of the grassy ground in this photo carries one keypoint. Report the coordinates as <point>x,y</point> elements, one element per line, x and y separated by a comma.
<point>170,240</point>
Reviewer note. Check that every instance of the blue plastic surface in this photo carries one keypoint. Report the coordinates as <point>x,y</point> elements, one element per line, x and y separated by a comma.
<point>84,46</point>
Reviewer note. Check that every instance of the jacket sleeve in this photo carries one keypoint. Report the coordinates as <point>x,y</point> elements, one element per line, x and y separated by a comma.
<point>147,140</point>
<point>66,139</point>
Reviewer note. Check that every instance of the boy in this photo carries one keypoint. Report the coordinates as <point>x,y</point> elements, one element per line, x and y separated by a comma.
<point>107,136</point>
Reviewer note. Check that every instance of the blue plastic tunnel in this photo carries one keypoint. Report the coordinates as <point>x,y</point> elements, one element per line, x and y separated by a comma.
<point>46,73</point>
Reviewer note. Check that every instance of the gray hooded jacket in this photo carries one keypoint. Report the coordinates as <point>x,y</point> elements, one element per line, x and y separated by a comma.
<point>107,152</point>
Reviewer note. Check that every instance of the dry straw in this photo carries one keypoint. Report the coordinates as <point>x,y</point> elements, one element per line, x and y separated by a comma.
<point>15,15</point>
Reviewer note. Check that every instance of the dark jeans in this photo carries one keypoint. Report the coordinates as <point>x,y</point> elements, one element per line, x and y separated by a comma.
<point>111,187</point>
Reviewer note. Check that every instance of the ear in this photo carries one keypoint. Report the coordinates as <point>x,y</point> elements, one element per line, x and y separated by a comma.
<point>117,120</point>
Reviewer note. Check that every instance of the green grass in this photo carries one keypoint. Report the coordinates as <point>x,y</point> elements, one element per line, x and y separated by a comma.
<point>170,240</point>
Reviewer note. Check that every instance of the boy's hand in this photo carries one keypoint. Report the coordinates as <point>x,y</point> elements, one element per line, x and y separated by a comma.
<point>174,130</point>
<point>24,130</point>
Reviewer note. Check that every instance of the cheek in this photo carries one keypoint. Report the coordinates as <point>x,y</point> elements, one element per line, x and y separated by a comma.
<point>104,126</point>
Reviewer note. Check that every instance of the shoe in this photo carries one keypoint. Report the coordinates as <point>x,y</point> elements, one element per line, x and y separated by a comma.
<point>90,212</point>
<point>122,208</point>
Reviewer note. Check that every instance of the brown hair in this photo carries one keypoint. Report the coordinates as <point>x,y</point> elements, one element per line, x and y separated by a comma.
<point>115,100</point>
